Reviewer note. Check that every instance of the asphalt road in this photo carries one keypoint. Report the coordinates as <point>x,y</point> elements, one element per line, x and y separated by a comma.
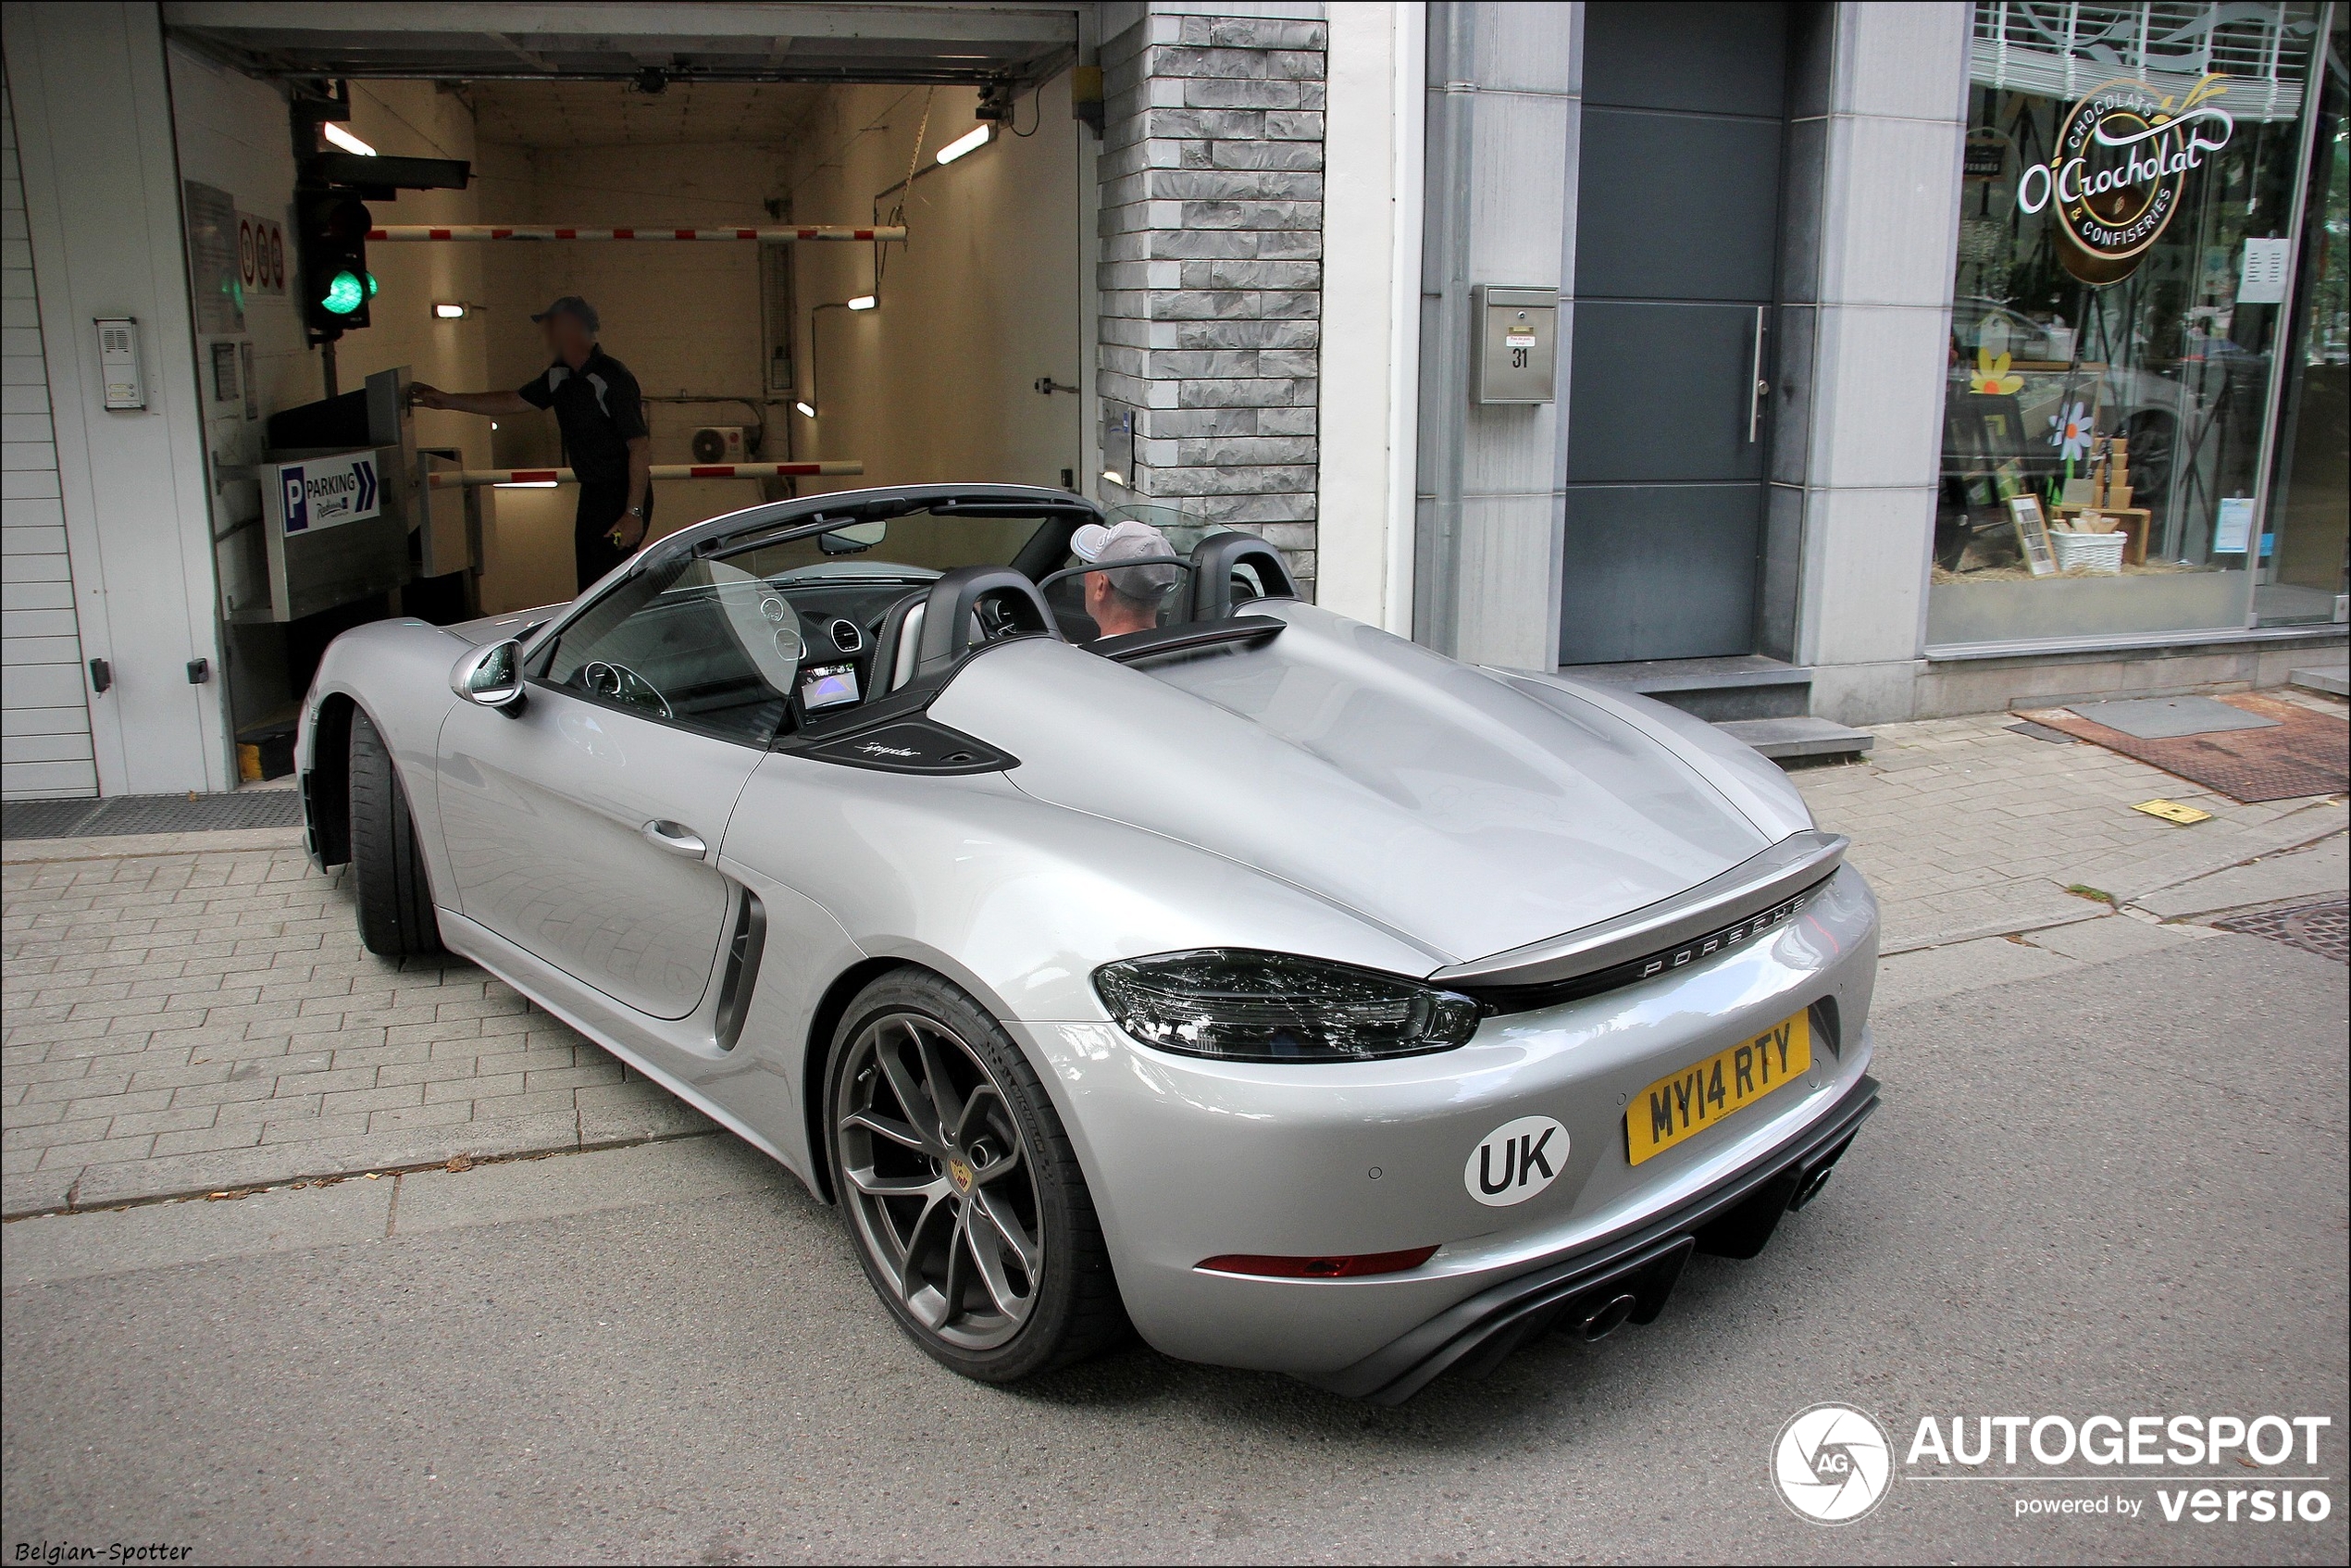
<point>2118,1188</point>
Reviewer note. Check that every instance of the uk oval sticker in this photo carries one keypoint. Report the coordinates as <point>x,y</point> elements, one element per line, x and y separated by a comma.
<point>1516,1161</point>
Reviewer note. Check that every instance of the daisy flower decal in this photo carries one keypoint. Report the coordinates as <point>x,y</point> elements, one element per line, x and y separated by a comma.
<point>2071,432</point>
<point>1991,374</point>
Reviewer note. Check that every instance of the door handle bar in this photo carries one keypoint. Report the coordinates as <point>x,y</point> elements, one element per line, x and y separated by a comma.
<point>1757,387</point>
<point>676,838</point>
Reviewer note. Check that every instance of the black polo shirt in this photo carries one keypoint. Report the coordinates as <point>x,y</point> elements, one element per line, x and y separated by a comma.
<point>599,410</point>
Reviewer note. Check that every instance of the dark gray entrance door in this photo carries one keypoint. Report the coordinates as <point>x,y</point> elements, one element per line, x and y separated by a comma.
<point>1677,243</point>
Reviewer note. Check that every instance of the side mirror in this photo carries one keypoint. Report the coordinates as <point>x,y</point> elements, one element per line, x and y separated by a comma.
<point>491,676</point>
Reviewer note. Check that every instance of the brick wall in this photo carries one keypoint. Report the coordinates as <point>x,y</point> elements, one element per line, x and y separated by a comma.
<point>1211,269</point>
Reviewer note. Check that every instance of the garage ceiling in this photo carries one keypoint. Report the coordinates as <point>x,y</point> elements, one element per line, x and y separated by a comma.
<point>607,114</point>
<point>958,42</point>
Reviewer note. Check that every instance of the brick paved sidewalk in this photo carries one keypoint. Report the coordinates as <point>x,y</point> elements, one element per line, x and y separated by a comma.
<point>196,1012</point>
<point>1967,828</point>
<point>186,1021</point>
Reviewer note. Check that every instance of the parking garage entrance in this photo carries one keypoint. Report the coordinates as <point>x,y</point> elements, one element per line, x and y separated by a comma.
<point>843,257</point>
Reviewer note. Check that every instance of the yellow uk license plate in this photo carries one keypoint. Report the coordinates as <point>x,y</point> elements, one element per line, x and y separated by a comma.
<point>1704,1093</point>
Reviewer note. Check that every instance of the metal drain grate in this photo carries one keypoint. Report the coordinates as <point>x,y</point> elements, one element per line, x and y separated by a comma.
<point>119,814</point>
<point>2323,928</point>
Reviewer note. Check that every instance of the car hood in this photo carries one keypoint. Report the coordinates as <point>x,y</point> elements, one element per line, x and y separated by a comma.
<point>1430,798</point>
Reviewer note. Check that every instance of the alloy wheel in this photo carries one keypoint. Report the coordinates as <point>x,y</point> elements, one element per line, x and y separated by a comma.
<point>942,1185</point>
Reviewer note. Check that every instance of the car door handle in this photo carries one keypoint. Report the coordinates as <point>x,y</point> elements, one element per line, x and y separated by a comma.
<point>676,838</point>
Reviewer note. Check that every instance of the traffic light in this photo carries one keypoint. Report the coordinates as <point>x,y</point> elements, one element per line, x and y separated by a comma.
<point>336,284</point>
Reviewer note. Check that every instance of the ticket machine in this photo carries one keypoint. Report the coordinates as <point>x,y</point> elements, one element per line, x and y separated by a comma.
<point>340,491</point>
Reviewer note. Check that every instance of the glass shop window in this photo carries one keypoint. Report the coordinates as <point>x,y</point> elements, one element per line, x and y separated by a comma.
<point>2120,304</point>
<point>2304,555</point>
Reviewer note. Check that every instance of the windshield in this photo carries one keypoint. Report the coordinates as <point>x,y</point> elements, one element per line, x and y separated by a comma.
<point>754,640</point>
<point>861,566</point>
<point>919,544</point>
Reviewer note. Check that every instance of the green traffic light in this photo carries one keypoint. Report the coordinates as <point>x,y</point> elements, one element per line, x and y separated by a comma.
<point>345,293</point>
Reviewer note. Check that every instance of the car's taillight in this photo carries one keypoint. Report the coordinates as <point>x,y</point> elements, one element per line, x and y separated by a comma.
<point>1239,1005</point>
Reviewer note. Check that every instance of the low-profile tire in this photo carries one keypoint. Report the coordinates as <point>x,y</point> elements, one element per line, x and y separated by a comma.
<point>388,879</point>
<point>960,1187</point>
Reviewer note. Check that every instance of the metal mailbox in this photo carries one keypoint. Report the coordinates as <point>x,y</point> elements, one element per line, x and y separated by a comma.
<point>1518,344</point>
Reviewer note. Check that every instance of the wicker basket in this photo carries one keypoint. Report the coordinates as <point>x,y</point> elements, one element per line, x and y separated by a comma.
<point>2088,552</point>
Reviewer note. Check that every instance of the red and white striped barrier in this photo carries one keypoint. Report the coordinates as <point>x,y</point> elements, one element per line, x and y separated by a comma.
<point>557,231</point>
<point>456,478</point>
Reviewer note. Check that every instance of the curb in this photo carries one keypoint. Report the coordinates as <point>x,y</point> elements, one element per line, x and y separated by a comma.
<point>2126,904</point>
<point>328,1179</point>
<point>128,846</point>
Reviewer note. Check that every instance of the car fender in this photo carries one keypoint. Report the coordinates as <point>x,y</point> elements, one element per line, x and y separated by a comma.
<point>1015,900</point>
<point>398,671</point>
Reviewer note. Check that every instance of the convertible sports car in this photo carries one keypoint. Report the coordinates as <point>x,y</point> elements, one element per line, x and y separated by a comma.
<point>1305,999</point>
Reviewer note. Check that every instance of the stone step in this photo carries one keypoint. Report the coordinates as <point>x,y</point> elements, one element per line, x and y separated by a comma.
<point>1799,738</point>
<point>1746,686</point>
<point>2334,682</point>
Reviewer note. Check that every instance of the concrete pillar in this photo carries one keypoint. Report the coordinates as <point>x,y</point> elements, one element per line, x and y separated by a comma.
<point>1884,126</point>
<point>1502,98</point>
<point>1371,295</point>
<point>102,210</point>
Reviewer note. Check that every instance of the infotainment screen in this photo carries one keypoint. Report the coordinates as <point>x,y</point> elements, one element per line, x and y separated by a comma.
<point>830,686</point>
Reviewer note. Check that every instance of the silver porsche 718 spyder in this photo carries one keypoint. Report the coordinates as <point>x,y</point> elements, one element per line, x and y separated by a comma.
<point>1161,950</point>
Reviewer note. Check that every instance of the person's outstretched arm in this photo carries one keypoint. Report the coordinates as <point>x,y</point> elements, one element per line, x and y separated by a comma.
<point>491,403</point>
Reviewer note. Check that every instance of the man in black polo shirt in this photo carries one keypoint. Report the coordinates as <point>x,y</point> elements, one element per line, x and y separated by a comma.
<point>601,416</point>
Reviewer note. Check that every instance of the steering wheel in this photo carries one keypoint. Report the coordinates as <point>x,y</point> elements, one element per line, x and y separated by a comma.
<point>620,684</point>
<point>996,619</point>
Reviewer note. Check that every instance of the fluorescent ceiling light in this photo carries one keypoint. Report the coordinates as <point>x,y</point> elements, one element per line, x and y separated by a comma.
<point>526,484</point>
<point>346,140</point>
<point>864,301</point>
<point>969,142</point>
<point>449,310</point>
<point>807,408</point>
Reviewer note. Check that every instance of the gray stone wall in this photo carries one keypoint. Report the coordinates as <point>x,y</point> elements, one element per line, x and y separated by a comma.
<point>1210,268</point>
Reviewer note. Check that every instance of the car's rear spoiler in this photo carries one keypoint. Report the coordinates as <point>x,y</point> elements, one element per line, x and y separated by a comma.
<point>1720,912</point>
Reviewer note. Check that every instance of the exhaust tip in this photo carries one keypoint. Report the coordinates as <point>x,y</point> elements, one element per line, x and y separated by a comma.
<point>1607,1317</point>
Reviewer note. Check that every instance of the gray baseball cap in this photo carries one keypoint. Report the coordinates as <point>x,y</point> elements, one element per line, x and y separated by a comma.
<point>574,306</point>
<point>1098,544</point>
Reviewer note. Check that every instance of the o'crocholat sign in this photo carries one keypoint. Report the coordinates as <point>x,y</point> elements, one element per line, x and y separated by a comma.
<point>2115,179</point>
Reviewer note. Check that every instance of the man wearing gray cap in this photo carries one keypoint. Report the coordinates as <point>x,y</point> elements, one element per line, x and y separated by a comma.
<point>1126,598</point>
<point>601,416</point>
